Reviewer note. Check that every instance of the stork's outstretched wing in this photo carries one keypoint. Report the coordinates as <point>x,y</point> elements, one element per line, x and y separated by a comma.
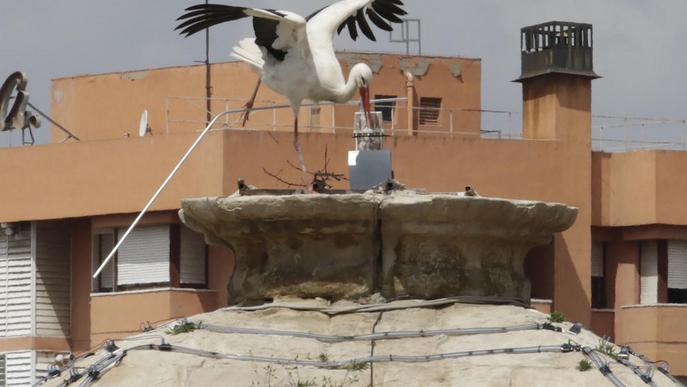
<point>353,14</point>
<point>276,31</point>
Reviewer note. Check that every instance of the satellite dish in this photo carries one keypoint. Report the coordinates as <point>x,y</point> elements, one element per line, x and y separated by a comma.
<point>143,124</point>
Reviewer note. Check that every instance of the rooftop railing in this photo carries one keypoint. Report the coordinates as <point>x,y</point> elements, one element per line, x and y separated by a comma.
<point>609,133</point>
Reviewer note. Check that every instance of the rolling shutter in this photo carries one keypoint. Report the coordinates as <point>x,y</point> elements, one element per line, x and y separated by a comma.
<point>429,110</point>
<point>53,279</point>
<point>193,257</point>
<point>677,264</point>
<point>16,274</point>
<point>649,273</point>
<point>2,369</point>
<point>144,256</point>
<point>18,368</point>
<point>43,360</point>
<point>103,242</point>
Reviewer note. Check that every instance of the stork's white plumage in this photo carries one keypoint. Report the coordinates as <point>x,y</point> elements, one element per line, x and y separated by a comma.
<point>295,55</point>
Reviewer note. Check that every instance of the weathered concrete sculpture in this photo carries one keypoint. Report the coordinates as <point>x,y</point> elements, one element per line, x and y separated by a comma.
<point>350,246</point>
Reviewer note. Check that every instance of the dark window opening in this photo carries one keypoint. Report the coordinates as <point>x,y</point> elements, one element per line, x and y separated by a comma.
<point>677,296</point>
<point>599,300</point>
<point>598,293</point>
<point>429,110</point>
<point>386,107</point>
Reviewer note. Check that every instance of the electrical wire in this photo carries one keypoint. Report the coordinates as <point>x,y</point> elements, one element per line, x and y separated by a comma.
<point>355,362</point>
<point>390,335</point>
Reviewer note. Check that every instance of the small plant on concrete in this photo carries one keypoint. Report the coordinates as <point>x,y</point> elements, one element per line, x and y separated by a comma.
<point>356,366</point>
<point>607,348</point>
<point>182,327</point>
<point>268,375</point>
<point>584,365</point>
<point>556,317</point>
<point>324,357</point>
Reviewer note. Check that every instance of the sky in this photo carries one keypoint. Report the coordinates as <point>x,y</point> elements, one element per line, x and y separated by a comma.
<point>639,44</point>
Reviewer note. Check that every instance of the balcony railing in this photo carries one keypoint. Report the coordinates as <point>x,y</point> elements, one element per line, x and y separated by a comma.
<point>609,133</point>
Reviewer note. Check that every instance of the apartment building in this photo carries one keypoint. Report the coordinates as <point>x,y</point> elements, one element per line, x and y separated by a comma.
<point>619,270</point>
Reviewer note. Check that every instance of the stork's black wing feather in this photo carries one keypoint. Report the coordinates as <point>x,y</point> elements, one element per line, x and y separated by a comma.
<point>202,16</point>
<point>380,12</point>
<point>352,29</point>
<point>378,21</point>
<point>266,34</point>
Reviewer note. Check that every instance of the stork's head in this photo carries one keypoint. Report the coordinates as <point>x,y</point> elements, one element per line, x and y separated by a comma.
<point>362,75</point>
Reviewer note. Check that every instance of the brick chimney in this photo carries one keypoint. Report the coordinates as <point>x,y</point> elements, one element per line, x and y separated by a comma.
<point>557,70</point>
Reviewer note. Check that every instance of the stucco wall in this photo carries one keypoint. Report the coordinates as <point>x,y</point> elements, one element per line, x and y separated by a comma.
<point>655,330</point>
<point>107,106</point>
<point>638,188</point>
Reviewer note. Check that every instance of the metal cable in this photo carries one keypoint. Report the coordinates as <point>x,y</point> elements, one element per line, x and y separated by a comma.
<point>348,363</point>
<point>646,377</point>
<point>375,336</point>
<point>602,366</point>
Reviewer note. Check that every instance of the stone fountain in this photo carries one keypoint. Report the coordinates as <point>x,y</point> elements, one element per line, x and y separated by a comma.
<point>401,244</point>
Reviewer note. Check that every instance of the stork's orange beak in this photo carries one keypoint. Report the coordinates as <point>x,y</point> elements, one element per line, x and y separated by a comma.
<point>365,98</point>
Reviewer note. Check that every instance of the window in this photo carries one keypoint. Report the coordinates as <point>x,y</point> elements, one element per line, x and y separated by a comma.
<point>677,272</point>
<point>429,110</point>
<point>386,107</point>
<point>151,256</point>
<point>598,278</point>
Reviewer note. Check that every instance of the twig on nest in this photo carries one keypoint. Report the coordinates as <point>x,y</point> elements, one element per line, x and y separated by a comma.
<point>320,179</point>
<point>279,179</point>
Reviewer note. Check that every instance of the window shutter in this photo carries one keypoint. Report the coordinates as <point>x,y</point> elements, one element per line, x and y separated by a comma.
<point>677,264</point>
<point>53,279</point>
<point>649,272</point>
<point>18,367</point>
<point>193,254</point>
<point>16,281</point>
<point>2,369</point>
<point>107,275</point>
<point>143,258</point>
<point>429,110</point>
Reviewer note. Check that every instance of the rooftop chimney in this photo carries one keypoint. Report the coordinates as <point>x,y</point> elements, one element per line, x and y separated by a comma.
<point>557,70</point>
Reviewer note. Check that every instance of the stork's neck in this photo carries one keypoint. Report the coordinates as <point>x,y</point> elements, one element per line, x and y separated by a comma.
<point>347,92</point>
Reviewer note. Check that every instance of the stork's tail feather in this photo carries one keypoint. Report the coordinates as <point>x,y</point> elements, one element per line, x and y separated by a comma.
<point>249,52</point>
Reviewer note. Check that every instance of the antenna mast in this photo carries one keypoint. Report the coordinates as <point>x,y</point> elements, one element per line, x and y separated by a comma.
<point>208,79</point>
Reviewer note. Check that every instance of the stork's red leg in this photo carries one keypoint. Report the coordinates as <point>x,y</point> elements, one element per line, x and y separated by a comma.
<point>297,145</point>
<point>249,104</point>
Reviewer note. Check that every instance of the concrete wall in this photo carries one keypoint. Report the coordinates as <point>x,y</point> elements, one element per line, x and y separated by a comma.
<point>656,331</point>
<point>108,106</point>
<point>118,315</point>
<point>639,188</point>
<point>104,177</point>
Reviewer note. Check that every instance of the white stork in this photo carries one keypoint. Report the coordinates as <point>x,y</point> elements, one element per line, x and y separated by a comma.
<point>295,55</point>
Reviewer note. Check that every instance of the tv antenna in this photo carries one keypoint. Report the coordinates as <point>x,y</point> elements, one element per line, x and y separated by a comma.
<point>143,127</point>
<point>411,32</point>
<point>17,117</point>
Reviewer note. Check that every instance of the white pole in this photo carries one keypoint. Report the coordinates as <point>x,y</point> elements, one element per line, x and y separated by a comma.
<point>168,179</point>
<point>171,175</point>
